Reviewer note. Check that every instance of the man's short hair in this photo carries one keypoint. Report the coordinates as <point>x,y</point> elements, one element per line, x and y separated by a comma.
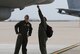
<point>45,18</point>
<point>27,16</point>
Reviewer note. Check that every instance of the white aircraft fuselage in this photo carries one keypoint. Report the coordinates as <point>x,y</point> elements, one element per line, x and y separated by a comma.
<point>73,8</point>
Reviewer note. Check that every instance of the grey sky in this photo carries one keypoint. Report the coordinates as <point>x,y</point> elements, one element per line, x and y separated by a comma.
<point>48,10</point>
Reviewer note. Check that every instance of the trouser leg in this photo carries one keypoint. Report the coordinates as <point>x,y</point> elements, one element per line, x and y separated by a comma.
<point>43,47</point>
<point>24,44</point>
<point>18,45</point>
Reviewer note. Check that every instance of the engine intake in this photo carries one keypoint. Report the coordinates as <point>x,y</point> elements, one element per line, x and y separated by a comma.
<point>5,13</point>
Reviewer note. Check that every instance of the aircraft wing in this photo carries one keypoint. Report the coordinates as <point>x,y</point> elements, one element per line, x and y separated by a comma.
<point>46,2</point>
<point>73,12</point>
<point>7,6</point>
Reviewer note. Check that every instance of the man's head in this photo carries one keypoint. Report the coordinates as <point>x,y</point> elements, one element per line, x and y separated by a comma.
<point>45,18</point>
<point>26,18</point>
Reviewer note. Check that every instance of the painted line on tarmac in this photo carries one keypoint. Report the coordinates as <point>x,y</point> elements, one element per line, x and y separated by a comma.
<point>66,49</point>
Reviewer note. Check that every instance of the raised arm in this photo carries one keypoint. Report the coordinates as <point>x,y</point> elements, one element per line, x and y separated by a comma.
<point>40,15</point>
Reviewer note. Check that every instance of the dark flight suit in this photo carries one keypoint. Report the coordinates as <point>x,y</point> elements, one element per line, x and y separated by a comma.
<point>42,33</point>
<point>25,29</point>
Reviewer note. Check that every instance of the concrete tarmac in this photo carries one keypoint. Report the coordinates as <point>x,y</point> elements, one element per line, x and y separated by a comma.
<point>65,34</point>
<point>73,49</point>
<point>32,48</point>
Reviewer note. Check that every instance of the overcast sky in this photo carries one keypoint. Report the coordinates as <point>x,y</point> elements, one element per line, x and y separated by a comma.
<point>48,10</point>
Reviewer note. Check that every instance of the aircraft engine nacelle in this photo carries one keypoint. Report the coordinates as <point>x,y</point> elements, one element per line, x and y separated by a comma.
<point>5,13</point>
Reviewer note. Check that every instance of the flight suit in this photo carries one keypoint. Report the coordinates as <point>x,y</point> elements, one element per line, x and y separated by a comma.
<point>25,30</point>
<point>42,33</point>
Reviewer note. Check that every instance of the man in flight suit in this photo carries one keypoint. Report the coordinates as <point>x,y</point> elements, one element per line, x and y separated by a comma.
<point>23,29</point>
<point>42,32</point>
